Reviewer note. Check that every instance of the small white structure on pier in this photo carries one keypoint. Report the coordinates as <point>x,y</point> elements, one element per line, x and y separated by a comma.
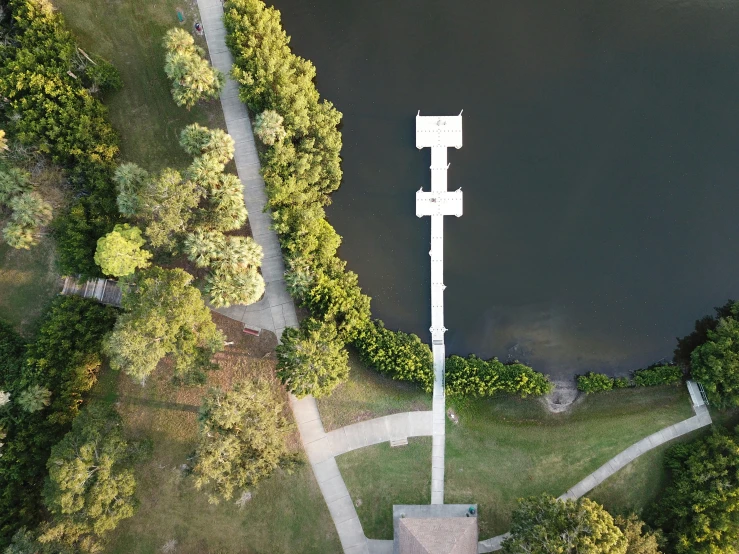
<point>438,133</point>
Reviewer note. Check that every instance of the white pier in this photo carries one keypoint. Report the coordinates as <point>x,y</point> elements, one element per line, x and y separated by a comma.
<point>438,133</point>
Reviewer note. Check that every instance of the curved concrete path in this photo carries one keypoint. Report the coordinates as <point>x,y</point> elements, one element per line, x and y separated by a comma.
<point>619,461</point>
<point>321,449</point>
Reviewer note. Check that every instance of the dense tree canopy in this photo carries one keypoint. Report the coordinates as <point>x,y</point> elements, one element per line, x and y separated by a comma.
<point>90,486</point>
<point>164,315</point>
<point>241,438</point>
<point>120,252</point>
<point>699,510</point>
<point>64,359</point>
<point>311,359</point>
<point>543,524</point>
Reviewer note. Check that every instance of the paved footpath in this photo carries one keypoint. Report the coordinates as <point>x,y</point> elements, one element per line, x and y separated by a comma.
<point>276,310</point>
<point>321,449</point>
<point>700,419</point>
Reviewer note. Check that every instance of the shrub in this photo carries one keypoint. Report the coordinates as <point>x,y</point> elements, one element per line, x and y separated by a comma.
<point>400,356</point>
<point>472,376</point>
<point>105,76</point>
<point>594,382</point>
<point>621,383</point>
<point>658,374</point>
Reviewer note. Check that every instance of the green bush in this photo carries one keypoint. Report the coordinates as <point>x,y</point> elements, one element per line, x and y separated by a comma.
<point>473,376</point>
<point>398,355</point>
<point>621,383</point>
<point>658,374</point>
<point>594,382</point>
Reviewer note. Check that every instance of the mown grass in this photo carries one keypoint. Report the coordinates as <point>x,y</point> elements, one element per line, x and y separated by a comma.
<point>287,512</point>
<point>379,476</point>
<point>505,448</point>
<point>368,394</point>
<point>129,33</point>
<point>28,281</point>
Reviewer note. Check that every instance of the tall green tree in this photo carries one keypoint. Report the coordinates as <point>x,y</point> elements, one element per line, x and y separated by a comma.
<point>715,363</point>
<point>543,524</point>
<point>120,252</point>
<point>193,78</point>
<point>91,485</point>
<point>164,315</point>
<point>311,360</point>
<point>242,286</point>
<point>699,510</point>
<point>242,438</point>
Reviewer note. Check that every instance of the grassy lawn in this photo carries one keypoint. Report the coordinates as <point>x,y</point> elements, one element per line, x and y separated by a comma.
<point>287,512</point>
<point>379,476</point>
<point>502,449</point>
<point>367,395</point>
<point>28,281</point>
<point>638,484</point>
<point>506,448</point>
<point>129,34</point>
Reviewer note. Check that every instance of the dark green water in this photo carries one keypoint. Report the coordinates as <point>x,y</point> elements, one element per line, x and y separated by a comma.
<point>600,167</point>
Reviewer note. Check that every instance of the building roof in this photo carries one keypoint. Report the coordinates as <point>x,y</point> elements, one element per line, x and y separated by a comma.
<point>440,535</point>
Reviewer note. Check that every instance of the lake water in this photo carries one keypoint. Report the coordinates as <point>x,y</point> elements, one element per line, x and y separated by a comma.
<point>600,167</point>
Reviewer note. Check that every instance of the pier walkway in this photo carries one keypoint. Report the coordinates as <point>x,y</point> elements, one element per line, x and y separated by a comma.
<point>438,133</point>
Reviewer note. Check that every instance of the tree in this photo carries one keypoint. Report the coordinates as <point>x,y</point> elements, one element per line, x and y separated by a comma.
<point>129,180</point>
<point>193,78</point>
<point>687,344</point>
<point>165,207</point>
<point>238,253</point>
<point>242,286</point>
<point>226,209</point>
<point>639,540</point>
<point>119,253</point>
<point>311,359</point>
<point>35,398</point>
<point>90,486</point>
<point>241,438</point>
<point>4,398</point>
<point>3,141</point>
<point>543,524</point>
<point>164,315</point>
<point>268,127</point>
<point>215,144</point>
<point>202,246</point>
<point>13,182</point>
<point>699,509</point>
<point>715,363</point>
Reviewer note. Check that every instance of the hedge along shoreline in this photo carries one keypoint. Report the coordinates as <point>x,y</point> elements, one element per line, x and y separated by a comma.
<point>654,375</point>
<point>301,169</point>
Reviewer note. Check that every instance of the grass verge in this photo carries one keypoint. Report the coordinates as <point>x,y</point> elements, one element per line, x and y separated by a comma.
<point>367,395</point>
<point>28,281</point>
<point>379,476</point>
<point>129,34</point>
<point>286,513</point>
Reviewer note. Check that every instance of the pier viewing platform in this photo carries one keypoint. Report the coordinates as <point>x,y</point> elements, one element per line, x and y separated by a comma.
<point>438,133</point>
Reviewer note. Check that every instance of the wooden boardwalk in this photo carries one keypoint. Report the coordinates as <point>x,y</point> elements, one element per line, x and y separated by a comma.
<point>106,291</point>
